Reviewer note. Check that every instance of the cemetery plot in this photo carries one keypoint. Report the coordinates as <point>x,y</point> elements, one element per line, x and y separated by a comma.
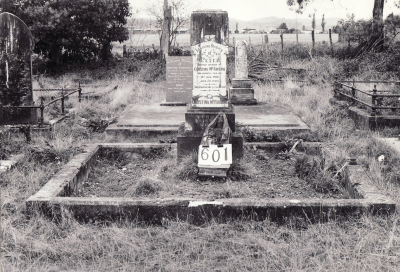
<point>156,175</point>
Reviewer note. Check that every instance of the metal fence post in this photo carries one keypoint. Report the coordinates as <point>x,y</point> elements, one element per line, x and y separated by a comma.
<point>80,93</point>
<point>353,91</point>
<point>62,100</point>
<point>1,114</point>
<point>336,87</point>
<point>373,108</point>
<point>313,41</point>
<point>41,111</point>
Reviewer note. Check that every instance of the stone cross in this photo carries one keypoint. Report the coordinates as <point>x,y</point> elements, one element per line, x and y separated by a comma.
<point>16,44</point>
<point>241,70</point>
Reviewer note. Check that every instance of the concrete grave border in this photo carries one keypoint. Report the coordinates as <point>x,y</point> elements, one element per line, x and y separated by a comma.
<point>54,196</point>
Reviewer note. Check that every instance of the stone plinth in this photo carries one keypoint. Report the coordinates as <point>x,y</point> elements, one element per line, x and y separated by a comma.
<point>241,83</point>
<point>197,119</point>
<point>189,142</point>
<point>241,92</point>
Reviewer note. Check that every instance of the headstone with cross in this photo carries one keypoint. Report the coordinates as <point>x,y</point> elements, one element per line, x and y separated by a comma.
<point>16,44</point>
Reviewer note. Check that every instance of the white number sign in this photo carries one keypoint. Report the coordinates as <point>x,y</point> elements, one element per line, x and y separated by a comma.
<point>214,156</point>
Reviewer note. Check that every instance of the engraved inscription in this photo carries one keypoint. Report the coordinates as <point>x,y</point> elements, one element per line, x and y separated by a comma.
<point>179,79</point>
<point>241,70</point>
<point>209,75</point>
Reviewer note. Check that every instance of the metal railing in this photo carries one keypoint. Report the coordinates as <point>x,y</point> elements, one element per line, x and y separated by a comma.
<point>64,94</point>
<point>376,96</point>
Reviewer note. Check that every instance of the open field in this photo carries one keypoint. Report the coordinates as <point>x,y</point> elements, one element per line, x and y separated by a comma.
<point>38,243</point>
<point>183,40</point>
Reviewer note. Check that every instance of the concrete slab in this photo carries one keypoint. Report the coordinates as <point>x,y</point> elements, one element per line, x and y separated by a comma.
<point>154,118</point>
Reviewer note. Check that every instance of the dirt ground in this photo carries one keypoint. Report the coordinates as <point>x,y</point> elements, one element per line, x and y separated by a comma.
<point>259,175</point>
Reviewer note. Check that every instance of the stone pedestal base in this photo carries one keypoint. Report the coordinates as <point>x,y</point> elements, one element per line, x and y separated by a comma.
<point>197,119</point>
<point>242,96</point>
<point>241,92</point>
<point>214,172</point>
<point>192,130</point>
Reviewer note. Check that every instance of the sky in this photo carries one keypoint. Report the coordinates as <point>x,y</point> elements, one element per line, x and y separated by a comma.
<point>254,9</point>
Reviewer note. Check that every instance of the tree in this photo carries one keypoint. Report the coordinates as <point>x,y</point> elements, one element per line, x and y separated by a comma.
<point>376,38</point>
<point>392,25</point>
<point>377,13</point>
<point>313,21</point>
<point>323,23</point>
<point>347,28</point>
<point>180,16</point>
<point>283,26</point>
<point>71,31</point>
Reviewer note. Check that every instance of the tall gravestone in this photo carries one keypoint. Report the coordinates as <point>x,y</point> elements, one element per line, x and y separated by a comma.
<point>241,91</point>
<point>16,44</point>
<point>209,37</point>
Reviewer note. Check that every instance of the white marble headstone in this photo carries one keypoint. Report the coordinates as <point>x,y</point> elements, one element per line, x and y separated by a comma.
<point>241,71</point>
<point>209,75</point>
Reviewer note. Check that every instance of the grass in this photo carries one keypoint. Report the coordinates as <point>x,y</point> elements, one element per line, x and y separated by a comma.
<point>42,244</point>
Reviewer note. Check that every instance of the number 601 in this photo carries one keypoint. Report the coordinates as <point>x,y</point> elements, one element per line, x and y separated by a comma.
<point>214,155</point>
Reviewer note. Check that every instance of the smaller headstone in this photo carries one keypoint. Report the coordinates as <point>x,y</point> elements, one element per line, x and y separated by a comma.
<point>179,80</point>
<point>241,91</point>
<point>241,71</point>
<point>124,53</point>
